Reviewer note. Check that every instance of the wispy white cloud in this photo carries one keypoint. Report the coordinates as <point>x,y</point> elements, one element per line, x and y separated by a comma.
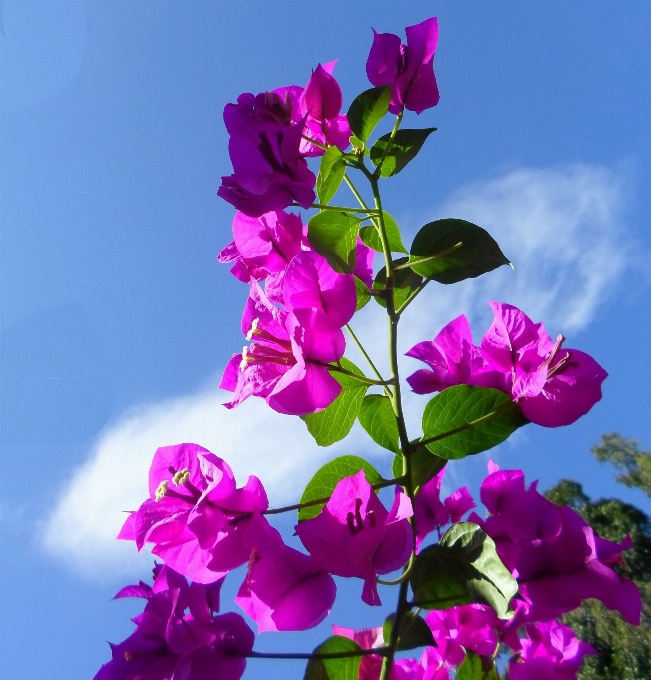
<point>561,227</point>
<point>253,439</point>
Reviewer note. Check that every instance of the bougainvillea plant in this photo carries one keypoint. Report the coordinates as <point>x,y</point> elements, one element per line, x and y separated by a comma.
<point>468,588</point>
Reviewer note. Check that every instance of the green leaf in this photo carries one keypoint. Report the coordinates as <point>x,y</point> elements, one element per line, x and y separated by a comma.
<point>334,669</point>
<point>335,422</point>
<point>357,143</point>
<point>424,465</point>
<point>414,632</point>
<point>371,237</point>
<point>406,144</point>
<point>468,420</point>
<point>331,174</point>
<point>333,234</point>
<point>367,110</point>
<point>363,296</point>
<point>475,667</point>
<point>405,281</point>
<point>326,478</point>
<point>378,419</point>
<point>477,254</point>
<point>462,569</point>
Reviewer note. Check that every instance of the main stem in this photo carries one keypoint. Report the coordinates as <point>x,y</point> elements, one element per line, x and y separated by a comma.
<point>402,606</point>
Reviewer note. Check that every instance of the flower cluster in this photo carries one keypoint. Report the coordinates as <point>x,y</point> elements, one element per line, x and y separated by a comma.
<point>552,385</point>
<point>170,641</point>
<point>503,580</point>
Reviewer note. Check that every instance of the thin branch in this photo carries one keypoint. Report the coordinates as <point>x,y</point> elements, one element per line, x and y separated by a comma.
<point>361,378</point>
<point>368,359</point>
<point>412,296</point>
<point>396,125</point>
<point>312,141</point>
<point>322,501</point>
<point>380,651</point>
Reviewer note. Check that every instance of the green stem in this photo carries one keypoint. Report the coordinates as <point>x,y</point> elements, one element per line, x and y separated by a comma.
<point>380,651</point>
<point>361,378</point>
<point>368,359</point>
<point>378,169</point>
<point>412,296</point>
<point>356,193</point>
<point>312,141</point>
<point>403,577</point>
<point>402,606</point>
<point>321,501</point>
<point>339,208</point>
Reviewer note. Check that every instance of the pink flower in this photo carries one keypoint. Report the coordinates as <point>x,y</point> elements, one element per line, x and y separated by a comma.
<point>459,629</point>
<point>268,170</point>
<point>551,651</point>
<point>168,642</point>
<point>263,245</point>
<point>201,525</point>
<point>321,103</point>
<point>284,589</point>
<point>287,362</point>
<point>430,512</point>
<point>311,283</point>
<point>452,359</point>
<point>553,386</point>
<point>367,638</point>
<point>409,69</point>
<point>553,553</point>
<point>355,535</point>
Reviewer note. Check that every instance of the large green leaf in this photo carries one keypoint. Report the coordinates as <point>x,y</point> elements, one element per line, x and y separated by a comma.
<point>363,296</point>
<point>462,569</point>
<point>405,282</point>
<point>346,668</point>
<point>414,632</point>
<point>367,110</point>
<point>424,465</point>
<point>335,422</point>
<point>333,234</point>
<point>371,237</point>
<point>379,420</point>
<point>326,478</point>
<point>467,420</point>
<point>331,174</point>
<point>477,254</point>
<point>475,667</point>
<point>406,144</point>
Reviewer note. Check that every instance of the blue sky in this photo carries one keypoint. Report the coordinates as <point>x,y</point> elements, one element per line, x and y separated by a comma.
<point>117,320</point>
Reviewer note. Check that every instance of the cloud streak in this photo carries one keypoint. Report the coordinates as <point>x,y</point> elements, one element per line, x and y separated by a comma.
<point>561,227</point>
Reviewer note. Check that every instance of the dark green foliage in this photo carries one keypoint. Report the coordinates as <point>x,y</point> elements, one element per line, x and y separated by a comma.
<point>461,569</point>
<point>624,454</point>
<point>414,632</point>
<point>624,651</point>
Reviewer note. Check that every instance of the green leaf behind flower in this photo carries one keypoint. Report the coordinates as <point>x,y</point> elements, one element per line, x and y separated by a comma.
<point>335,422</point>
<point>327,477</point>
